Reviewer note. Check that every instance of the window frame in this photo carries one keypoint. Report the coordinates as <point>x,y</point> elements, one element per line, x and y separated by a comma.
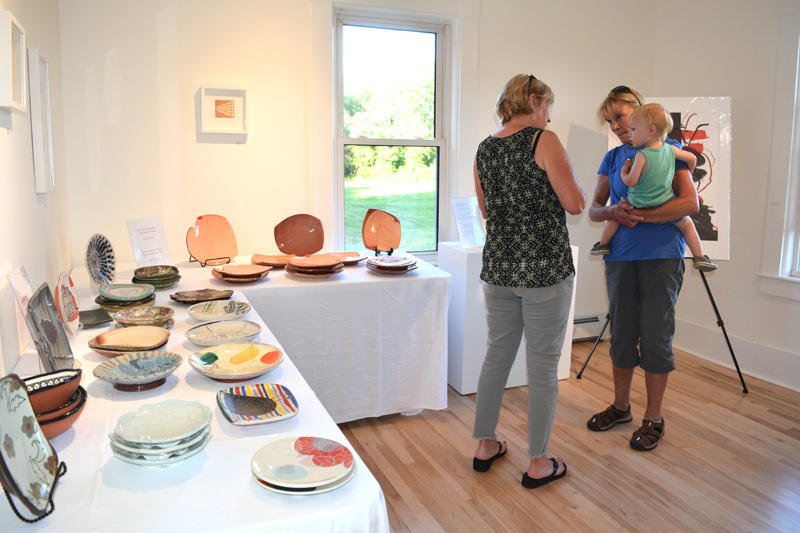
<point>442,30</point>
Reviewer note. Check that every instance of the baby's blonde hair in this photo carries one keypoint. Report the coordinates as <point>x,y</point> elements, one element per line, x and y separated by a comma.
<point>655,115</point>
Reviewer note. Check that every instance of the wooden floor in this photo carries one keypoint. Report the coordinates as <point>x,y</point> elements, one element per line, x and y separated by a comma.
<point>728,461</point>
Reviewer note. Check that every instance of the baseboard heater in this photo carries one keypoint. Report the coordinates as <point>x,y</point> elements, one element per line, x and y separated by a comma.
<point>588,327</point>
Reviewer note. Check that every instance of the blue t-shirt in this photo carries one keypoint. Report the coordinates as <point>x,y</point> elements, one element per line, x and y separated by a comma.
<point>643,241</point>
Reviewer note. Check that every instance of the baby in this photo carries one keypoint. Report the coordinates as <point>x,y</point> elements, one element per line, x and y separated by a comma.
<point>650,177</point>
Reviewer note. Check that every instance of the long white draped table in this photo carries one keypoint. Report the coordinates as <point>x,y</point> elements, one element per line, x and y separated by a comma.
<point>210,491</point>
<point>368,344</point>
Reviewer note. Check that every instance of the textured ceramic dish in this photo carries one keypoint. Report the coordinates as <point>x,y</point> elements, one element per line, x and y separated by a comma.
<point>391,261</point>
<point>262,403</point>
<point>219,310</point>
<point>223,331</point>
<point>67,304</point>
<point>159,449</point>
<point>100,260</point>
<point>380,231</point>
<point>391,271</point>
<point>166,325</point>
<point>156,273</point>
<point>28,463</point>
<point>48,332</point>
<point>203,295</point>
<point>168,459</point>
<point>239,280</point>
<point>308,491</point>
<point>114,306</point>
<point>352,259</point>
<point>144,316</point>
<point>312,275</point>
<point>300,235</point>
<point>241,271</point>
<point>138,370</point>
<point>238,361</point>
<point>94,317</point>
<point>73,402</point>
<point>320,261</point>
<point>126,292</point>
<point>134,339</point>
<point>211,240</point>
<point>53,389</point>
<point>57,426</point>
<point>274,261</point>
<point>170,420</point>
<point>302,462</point>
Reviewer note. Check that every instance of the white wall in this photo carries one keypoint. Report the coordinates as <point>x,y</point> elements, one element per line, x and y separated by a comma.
<point>35,229</point>
<point>131,71</point>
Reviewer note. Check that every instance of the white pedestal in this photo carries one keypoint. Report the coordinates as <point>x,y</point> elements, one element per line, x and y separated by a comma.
<point>466,322</point>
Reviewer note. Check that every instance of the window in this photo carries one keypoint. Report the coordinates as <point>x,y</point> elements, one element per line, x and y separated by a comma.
<point>390,149</point>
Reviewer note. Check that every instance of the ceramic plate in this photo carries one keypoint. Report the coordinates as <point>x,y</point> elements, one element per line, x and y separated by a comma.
<point>256,404</point>
<point>28,463</point>
<point>159,285</point>
<point>171,459</point>
<point>162,448</point>
<point>223,331</point>
<point>274,261</point>
<point>391,261</point>
<point>100,260</point>
<point>47,331</point>
<point>237,361</point>
<point>211,240</point>
<point>380,231</point>
<point>240,280</point>
<point>309,491</point>
<point>144,316</point>
<point>300,235</point>
<point>94,317</point>
<point>156,272</point>
<point>391,271</point>
<point>67,304</point>
<point>114,305</point>
<point>219,310</point>
<point>203,295</point>
<point>166,325</point>
<point>242,271</point>
<point>167,421</point>
<point>301,463</point>
<point>126,292</point>
<point>318,276</point>
<point>133,339</point>
<point>349,260</point>
<point>138,368</point>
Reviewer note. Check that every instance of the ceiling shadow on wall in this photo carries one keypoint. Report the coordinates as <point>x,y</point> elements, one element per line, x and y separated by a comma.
<point>213,138</point>
<point>5,120</point>
<point>586,148</point>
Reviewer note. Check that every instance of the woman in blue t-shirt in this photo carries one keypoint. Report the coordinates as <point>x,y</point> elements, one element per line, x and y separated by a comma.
<point>644,274</point>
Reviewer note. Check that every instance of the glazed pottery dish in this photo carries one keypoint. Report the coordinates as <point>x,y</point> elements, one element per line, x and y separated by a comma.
<point>53,389</point>
<point>241,271</point>
<point>126,292</point>
<point>348,258</point>
<point>100,260</point>
<point>161,460</point>
<point>133,339</point>
<point>73,402</point>
<point>238,361</point>
<point>274,261</point>
<point>116,305</point>
<point>94,317</point>
<point>67,304</point>
<point>161,448</point>
<point>168,421</point>
<point>137,371</point>
<point>240,279</point>
<point>28,463</point>
<point>299,235</point>
<point>56,426</point>
<point>219,310</point>
<point>211,240</point>
<point>262,403</point>
<point>156,273</point>
<point>380,231</point>
<point>223,331</point>
<point>144,316</point>
<point>202,295</point>
<point>306,491</point>
<point>48,332</point>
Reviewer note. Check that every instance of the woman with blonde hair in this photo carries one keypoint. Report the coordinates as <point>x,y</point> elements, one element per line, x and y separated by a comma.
<point>525,185</point>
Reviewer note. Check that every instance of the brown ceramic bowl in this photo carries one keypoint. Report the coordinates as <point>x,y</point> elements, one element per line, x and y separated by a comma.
<point>73,402</point>
<point>57,426</point>
<point>52,390</point>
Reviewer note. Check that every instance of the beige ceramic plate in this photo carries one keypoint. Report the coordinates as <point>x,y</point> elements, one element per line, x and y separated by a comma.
<point>135,338</point>
<point>274,261</point>
<point>389,261</point>
<point>321,261</point>
<point>231,279</point>
<point>242,271</point>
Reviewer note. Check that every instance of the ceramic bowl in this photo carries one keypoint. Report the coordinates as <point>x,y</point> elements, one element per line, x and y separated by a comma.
<point>223,331</point>
<point>57,426</point>
<point>138,370</point>
<point>156,272</point>
<point>52,390</point>
<point>144,316</point>
<point>73,402</point>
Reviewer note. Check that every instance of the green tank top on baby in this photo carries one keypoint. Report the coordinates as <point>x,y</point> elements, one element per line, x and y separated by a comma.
<point>655,185</point>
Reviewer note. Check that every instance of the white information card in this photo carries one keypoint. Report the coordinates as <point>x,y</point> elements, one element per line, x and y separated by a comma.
<point>149,242</point>
<point>468,218</point>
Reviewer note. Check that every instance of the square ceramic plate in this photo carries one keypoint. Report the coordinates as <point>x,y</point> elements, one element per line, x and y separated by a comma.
<point>262,403</point>
<point>163,422</point>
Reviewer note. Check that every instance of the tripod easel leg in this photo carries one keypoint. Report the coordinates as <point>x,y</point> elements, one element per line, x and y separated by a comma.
<point>608,318</point>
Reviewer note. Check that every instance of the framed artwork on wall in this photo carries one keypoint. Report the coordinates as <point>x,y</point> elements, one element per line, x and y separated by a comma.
<point>13,96</point>
<point>223,110</point>
<point>41,131</point>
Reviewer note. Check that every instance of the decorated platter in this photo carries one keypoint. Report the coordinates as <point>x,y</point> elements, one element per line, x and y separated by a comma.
<point>137,371</point>
<point>100,260</point>
<point>67,304</point>
<point>133,339</point>
<point>223,331</point>
<point>170,420</point>
<point>237,361</point>
<point>202,295</point>
<point>261,403</point>
<point>219,310</point>
<point>48,332</point>
<point>302,462</point>
<point>156,273</point>
<point>126,292</point>
<point>391,261</point>
<point>144,316</point>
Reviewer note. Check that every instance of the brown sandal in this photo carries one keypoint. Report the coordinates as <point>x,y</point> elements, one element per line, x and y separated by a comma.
<point>609,418</point>
<point>646,437</point>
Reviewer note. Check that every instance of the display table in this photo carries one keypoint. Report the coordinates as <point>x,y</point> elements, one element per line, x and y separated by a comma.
<point>367,344</point>
<point>210,491</point>
<point>467,322</point>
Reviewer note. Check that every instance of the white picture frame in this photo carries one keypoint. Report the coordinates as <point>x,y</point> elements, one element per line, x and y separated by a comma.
<point>41,127</point>
<point>13,67</point>
<point>223,110</point>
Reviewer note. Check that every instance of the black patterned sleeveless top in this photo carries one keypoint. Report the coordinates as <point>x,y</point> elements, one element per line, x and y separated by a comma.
<point>527,242</point>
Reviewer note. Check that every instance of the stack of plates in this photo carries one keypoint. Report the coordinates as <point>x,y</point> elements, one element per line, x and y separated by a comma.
<point>391,265</point>
<point>161,434</point>
<point>240,273</point>
<point>320,266</point>
<point>145,316</point>
<point>117,296</point>
<point>125,340</point>
<point>159,276</point>
<point>274,261</point>
<point>303,466</point>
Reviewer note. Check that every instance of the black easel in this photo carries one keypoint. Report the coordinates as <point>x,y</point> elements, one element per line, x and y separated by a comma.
<point>720,323</point>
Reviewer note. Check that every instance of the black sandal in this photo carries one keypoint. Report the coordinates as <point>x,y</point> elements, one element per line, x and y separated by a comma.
<point>532,483</point>
<point>482,465</point>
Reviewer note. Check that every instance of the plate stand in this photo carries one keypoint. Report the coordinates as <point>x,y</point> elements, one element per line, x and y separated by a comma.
<point>62,469</point>
<point>205,263</point>
<point>377,253</point>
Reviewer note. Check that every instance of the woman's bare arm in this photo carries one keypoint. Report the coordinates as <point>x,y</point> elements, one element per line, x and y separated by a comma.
<point>553,159</point>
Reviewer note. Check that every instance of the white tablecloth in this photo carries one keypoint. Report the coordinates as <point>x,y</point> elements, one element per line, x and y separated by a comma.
<point>211,491</point>
<point>366,343</point>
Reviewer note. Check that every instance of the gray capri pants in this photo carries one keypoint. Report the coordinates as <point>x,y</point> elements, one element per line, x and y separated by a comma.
<point>641,304</point>
<point>543,314</point>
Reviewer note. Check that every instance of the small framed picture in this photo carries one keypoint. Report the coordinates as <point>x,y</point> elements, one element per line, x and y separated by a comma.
<point>223,110</point>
